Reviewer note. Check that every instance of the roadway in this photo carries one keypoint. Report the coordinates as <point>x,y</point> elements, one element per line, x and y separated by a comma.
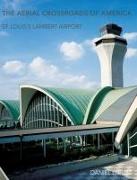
<point>10,136</point>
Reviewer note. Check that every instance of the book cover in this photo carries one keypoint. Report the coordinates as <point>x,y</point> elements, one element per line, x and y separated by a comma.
<point>68,89</point>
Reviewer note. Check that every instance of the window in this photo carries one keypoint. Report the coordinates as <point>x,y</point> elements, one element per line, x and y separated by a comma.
<point>44,112</point>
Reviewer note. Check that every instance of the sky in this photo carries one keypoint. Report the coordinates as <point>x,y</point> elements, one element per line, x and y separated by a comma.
<point>60,57</point>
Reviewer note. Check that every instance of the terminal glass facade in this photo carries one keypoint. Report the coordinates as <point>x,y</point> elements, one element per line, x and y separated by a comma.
<point>5,118</point>
<point>4,114</point>
<point>44,112</point>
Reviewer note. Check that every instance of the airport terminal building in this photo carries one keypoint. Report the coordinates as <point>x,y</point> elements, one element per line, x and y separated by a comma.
<point>112,104</point>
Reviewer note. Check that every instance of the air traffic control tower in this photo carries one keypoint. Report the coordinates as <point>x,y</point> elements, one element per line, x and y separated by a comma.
<point>111,49</point>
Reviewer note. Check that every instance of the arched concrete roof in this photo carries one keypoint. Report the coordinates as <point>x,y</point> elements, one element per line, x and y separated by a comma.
<point>127,123</point>
<point>85,106</point>
<point>73,102</point>
<point>12,106</point>
<point>110,104</point>
<point>94,104</point>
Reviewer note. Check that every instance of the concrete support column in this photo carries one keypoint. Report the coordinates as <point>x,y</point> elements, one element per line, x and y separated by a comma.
<point>93,139</point>
<point>81,140</point>
<point>71,139</point>
<point>42,143</point>
<point>77,138</point>
<point>120,150</point>
<point>57,143</point>
<point>128,144</point>
<point>64,142</point>
<point>113,147</point>
<point>44,148</point>
<point>98,136</point>
<point>21,148</point>
<point>84,140</point>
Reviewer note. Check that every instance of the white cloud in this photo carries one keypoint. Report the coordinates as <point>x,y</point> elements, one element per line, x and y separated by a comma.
<point>131,52</point>
<point>91,43</point>
<point>41,68</point>
<point>41,72</point>
<point>74,79</point>
<point>50,74</point>
<point>13,67</point>
<point>78,81</point>
<point>130,36</point>
<point>3,34</point>
<point>72,50</point>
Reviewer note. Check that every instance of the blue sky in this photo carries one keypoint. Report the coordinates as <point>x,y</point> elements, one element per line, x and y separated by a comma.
<point>61,58</point>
